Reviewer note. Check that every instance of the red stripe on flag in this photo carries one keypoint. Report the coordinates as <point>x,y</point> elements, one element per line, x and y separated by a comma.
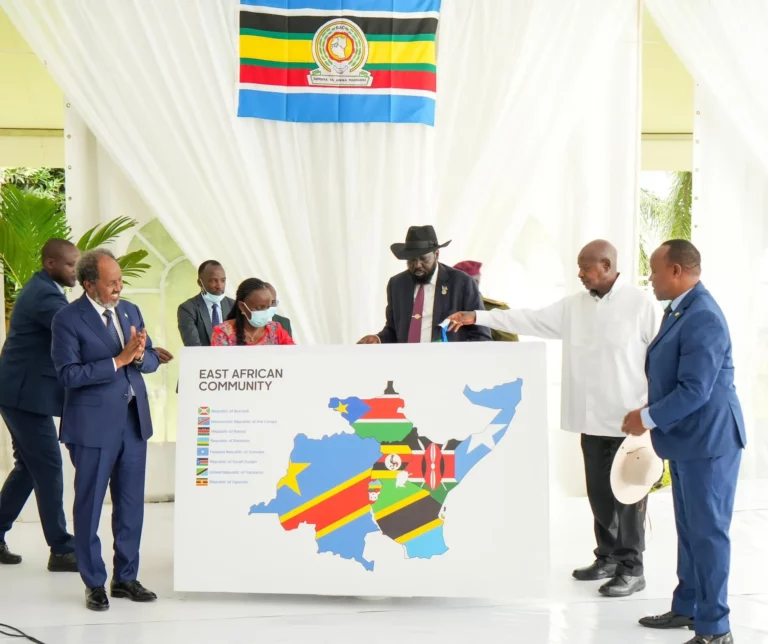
<point>384,409</point>
<point>334,508</point>
<point>298,78</point>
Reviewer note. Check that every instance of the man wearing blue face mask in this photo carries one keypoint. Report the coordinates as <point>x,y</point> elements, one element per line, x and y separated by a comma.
<point>250,322</point>
<point>198,316</point>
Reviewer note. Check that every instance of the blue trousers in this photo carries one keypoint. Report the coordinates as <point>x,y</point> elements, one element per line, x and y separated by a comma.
<point>122,467</point>
<point>37,467</point>
<point>703,491</point>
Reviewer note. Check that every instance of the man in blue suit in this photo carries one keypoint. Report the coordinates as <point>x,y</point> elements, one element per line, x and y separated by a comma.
<point>30,396</point>
<point>696,422</point>
<point>100,351</point>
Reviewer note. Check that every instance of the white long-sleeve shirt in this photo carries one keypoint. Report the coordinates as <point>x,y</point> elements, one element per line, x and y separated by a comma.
<point>605,341</point>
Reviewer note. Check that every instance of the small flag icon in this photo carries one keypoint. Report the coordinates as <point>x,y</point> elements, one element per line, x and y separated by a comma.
<point>201,482</point>
<point>203,431</point>
<point>203,421</point>
<point>202,461</point>
<point>202,451</point>
<point>204,411</point>
<point>203,441</point>
<point>202,472</point>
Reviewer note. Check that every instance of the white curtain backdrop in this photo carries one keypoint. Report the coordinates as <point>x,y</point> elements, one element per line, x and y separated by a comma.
<point>314,207</point>
<point>723,43</point>
<point>533,154</point>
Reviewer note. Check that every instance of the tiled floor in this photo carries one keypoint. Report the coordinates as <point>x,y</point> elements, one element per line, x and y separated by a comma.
<point>50,607</point>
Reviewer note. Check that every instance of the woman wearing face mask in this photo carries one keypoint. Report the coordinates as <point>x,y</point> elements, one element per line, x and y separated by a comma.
<point>250,321</point>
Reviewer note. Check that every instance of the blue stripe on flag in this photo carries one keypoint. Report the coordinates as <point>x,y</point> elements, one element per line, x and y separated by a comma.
<point>404,6</point>
<point>336,108</point>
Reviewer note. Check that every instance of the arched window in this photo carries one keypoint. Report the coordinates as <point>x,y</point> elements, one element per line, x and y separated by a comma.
<point>169,281</point>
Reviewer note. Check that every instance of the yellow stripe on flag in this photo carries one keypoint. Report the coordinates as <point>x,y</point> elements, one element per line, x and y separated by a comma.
<point>390,509</point>
<point>420,531</point>
<point>342,522</point>
<point>325,495</point>
<point>395,449</point>
<point>300,51</point>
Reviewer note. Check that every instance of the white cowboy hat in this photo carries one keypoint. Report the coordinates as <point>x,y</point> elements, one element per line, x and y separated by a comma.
<point>635,469</point>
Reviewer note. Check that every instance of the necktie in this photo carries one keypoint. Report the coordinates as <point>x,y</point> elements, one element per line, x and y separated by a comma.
<point>667,313</point>
<point>112,330</point>
<point>414,332</point>
<point>215,318</point>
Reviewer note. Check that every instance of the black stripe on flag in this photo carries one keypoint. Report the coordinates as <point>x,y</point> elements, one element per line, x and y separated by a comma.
<point>310,24</point>
<point>410,517</point>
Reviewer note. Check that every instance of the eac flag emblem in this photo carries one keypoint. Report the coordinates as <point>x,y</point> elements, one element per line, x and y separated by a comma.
<point>340,50</point>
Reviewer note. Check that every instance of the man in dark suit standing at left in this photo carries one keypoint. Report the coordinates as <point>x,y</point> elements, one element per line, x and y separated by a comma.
<point>424,295</point>
<point>100,351</point>
<point>30,395</point>
<point>210,307</point>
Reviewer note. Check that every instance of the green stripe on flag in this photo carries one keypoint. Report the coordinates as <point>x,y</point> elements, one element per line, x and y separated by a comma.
<point>377,67</point>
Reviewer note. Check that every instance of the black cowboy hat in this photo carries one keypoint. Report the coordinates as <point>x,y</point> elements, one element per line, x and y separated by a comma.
<point>419,241</point>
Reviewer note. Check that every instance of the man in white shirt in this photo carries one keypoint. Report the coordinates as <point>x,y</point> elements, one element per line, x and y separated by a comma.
<point>605,332</point>
<point>424,295</point>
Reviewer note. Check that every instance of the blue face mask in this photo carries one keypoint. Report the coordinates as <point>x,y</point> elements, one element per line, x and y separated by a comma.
<point>260,319</point>
<point>211,298</point>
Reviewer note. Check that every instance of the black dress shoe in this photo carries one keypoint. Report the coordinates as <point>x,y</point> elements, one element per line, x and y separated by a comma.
<point>667,620</point>
<point>7,557</point>
<point>598,570</point>
<point>622,586</point>
<point>63,563</point>
<point>725,638</point>
<point>132,590</point>
<point>96,598</point>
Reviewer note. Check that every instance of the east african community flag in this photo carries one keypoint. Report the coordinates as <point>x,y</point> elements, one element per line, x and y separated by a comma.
<point>338,61</point>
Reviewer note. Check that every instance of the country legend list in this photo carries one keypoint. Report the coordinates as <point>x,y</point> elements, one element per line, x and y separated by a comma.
<point>229,450</point>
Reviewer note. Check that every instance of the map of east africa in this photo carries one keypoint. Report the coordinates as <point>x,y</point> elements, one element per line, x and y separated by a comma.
<point>385,477</point>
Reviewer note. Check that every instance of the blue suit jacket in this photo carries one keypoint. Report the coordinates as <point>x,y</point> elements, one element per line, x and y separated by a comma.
<point>27,377</point>
<point>97,396</point>
<point>691,396</point>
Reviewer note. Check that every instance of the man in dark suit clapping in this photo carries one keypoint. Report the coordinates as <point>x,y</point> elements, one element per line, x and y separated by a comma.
<point>30,395</point>
<point>424,295</point>
<point>209,308</point>
<point>101,352</point>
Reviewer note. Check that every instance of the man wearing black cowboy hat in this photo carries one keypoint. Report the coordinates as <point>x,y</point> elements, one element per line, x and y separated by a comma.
<point>420,298</point>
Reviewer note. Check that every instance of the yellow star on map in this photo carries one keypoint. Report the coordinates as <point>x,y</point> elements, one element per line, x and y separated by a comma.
<point>342,408</point>
<point>289,480</point>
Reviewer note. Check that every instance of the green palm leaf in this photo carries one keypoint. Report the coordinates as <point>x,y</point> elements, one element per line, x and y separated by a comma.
<point>30,215</point>
<point>100,235</point>
<point>28,222</point>
<point>132,265</point>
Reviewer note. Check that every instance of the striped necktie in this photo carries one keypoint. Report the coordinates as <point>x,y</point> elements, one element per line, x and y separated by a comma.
<point>108,316</point>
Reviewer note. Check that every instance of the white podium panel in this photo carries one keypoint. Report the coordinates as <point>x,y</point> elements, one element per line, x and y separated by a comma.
<point>400,470</point>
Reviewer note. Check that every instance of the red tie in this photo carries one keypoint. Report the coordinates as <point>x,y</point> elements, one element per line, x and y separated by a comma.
<point>414,332</point>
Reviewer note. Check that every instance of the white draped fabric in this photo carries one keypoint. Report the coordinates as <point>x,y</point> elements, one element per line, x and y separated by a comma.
<point>720,41</point>
<point>314,207</point>
<point>534,152</point>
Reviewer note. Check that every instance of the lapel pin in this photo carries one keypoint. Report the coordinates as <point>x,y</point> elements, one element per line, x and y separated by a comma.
<point>445,290</point>
<point>677,315</point>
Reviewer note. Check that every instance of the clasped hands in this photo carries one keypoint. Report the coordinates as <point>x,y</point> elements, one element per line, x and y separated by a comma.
<point>134,348</point>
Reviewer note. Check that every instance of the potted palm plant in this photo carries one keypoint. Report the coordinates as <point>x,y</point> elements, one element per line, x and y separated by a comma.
<point>28,220</point>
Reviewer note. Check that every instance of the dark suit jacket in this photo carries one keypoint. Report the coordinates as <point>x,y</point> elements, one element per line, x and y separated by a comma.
<point>454,291</point>
<point>195,321</point>
<point>96,396</point>
<point>691,396</point>
<point>285,323</point>
<point>27,377</point>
